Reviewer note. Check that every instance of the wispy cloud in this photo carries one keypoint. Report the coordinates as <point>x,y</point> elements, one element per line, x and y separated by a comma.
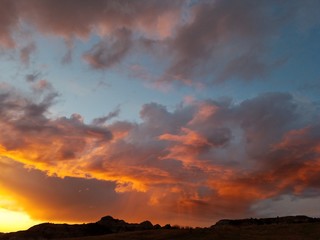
<point>109,52</point>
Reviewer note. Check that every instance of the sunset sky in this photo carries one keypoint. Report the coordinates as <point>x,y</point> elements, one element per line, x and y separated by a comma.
<point>173,111</point>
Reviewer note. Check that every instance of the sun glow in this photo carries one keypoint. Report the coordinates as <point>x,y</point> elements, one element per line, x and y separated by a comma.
<point>14,220</point>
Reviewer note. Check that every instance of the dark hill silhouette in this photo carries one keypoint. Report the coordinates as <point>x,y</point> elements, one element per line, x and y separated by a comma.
<point>265,221</point>
<point>107,226</point>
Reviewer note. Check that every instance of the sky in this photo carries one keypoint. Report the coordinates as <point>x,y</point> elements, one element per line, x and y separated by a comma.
<point>174,111</point>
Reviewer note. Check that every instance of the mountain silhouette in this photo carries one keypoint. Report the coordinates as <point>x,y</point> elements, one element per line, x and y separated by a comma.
<point>226,228</point>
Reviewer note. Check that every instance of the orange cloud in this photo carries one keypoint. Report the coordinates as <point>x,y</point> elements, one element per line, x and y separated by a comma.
<point>170,162</point>
<point>191,138</point>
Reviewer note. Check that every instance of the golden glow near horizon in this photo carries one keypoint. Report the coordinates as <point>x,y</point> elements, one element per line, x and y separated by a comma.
<point>11,221</point>
<point>12,216</point>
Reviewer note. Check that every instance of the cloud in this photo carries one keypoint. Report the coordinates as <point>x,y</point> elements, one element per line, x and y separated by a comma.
<point>42,86</point>
<point>109,52</point>
<point>107,20</point>
<point>29,132</point>
<point>226,39</point>
<point>25,53</point>
<point>32,77</point>
<point>195,160</point>
<point>102,17</point>
<point>265,120</point>
<point>102,120</point>
<point>42,195</point>
<point>197,43</point>
<point>299,154</point>
<point>8,21</point>
<point>67,58</point>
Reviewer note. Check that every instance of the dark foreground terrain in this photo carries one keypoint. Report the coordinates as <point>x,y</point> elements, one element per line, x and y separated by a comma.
<point>284,228</point>
<point>304,231</point>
